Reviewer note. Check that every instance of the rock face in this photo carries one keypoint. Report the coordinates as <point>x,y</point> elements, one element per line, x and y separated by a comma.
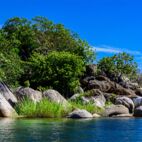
<point>119,90</point>
<point>127,102</point>
<point>126,83</point>
<point>99,100</point>
<point>105,85</point>
<point>29,93</point>
<point>138,111</point>
<point>115,110</point>
<point>6,109</point>
<point>139,92</point>
<point>80,114</point>
<point>91,69</point>
<point>8,95</point>
<point>55,96</point>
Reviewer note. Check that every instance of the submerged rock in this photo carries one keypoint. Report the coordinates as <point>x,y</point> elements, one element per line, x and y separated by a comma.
<point>124,115</point>
<point>95,115</point>
<point>80,114</point>
<point>6,109</point>
<point>29,93</point>
<point>138,111</point>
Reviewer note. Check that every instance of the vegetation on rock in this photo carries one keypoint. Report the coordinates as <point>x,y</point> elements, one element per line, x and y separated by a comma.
<point>118,65</point>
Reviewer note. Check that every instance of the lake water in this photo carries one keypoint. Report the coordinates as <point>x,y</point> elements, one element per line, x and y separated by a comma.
<point>47,130</point>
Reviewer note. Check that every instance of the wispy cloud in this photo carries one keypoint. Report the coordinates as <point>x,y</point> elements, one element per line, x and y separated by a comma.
<point>110,49</point>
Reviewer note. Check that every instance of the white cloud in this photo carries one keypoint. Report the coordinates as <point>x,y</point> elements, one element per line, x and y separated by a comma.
<point>112,50</point>
<point>109,49</point>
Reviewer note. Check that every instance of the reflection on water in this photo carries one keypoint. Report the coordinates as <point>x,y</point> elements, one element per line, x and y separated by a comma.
<point>47,130</point>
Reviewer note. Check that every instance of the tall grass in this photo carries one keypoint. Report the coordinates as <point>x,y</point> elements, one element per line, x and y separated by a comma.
<point>42,109</point>
<point>90,107</point>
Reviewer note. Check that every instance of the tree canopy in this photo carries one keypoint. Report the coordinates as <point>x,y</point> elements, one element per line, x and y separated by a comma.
<point>42,52</point>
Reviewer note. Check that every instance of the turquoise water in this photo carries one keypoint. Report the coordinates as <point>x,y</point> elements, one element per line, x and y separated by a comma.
<point>46,130</point>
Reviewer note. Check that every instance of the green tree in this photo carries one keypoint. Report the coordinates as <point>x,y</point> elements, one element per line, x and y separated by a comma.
<point>61,70</point>
<point>10,63</point>
<point>118,65</point>
<point>55,37</point>
<point>19,30</point>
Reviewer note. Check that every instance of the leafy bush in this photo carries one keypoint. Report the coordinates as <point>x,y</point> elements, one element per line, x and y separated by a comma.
<point>61,70</point>
<point>118,65</point>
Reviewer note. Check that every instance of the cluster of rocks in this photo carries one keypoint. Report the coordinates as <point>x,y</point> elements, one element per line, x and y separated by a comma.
<point>124,97</point>
<point>8,99</point>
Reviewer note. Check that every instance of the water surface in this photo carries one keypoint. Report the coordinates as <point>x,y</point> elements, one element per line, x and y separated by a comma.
<point>47,130</point>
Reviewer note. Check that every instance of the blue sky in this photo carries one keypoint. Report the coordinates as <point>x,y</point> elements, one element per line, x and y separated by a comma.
<point>110,26</point>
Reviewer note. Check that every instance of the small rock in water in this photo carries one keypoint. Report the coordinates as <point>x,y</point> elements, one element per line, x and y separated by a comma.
<point>80,114</point>
<point>95,115</point>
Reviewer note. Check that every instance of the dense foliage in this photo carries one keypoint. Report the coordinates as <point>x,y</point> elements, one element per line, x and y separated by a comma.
<point>60,70</point>
<point>118,65</point>
<point>42,53</point>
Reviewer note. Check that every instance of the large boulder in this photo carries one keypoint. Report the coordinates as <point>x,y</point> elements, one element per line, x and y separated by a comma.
<point>8,95</point>
<point>80,114</point>
<point>55,96</point>
<point>137,101</point>
<point>28,93</point>
<point>99,100</point>
<point>138,111</point>
<point>6,110</point>
<point>97,97</point>
<point>115,110</point>
<point>127,102</point>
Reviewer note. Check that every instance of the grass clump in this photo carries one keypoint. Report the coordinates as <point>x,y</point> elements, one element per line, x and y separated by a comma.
<point>90,107</point>
<point>42,109</point>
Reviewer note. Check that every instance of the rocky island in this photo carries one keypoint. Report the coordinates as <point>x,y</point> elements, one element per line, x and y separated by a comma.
<point>58,78</point>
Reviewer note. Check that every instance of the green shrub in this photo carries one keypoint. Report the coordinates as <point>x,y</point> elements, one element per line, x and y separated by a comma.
<point>27,83</point>
<point>118,65</point>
